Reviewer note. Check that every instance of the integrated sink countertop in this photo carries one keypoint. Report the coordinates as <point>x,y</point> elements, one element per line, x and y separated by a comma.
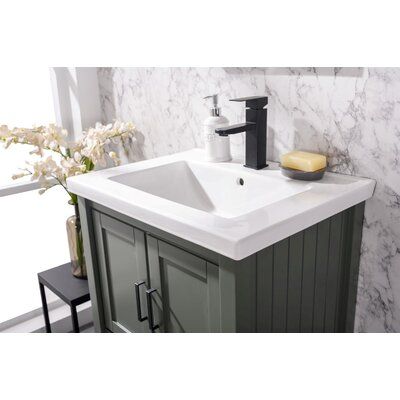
<point>225,207</point>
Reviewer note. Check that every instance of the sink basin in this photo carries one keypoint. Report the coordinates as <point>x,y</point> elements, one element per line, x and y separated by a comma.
<point>225,207</point>
<point>218,191</point>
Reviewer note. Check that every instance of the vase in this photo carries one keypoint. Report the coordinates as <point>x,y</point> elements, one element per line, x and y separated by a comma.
<point>75,242</point>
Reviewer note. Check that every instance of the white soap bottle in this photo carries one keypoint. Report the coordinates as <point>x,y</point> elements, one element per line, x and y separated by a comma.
<point>217,148</point>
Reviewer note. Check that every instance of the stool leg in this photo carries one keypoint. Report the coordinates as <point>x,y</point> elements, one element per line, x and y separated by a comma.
<point>45,309</point>
<point>74,317</point>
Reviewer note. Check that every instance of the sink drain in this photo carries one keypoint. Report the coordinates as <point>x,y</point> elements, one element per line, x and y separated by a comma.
<point>240,181</point>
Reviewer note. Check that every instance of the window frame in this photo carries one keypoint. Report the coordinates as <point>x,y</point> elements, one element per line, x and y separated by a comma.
<point>77,106</point>
<point>76,99</point>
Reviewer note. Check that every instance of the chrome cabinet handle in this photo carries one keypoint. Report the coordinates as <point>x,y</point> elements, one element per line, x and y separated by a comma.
<point>149,293</point>
<point>138,306</point>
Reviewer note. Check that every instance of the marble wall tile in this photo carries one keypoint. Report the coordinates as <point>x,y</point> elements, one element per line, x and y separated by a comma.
<point>350,114</point>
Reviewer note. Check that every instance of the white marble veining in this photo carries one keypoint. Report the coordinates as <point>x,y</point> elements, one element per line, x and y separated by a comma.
<point>350,114</point>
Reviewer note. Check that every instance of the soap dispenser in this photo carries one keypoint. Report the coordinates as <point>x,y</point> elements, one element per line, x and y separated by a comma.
<point>217,148</point>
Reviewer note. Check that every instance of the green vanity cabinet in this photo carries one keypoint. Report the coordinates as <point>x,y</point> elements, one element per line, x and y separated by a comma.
<point>121,257</point>
<point>186,298</point>
<point>304,283</point>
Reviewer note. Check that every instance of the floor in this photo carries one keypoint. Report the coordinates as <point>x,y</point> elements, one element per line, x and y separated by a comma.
<point>65,325</point>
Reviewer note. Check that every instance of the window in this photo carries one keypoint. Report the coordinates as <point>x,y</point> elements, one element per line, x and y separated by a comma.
<point>32,227</point>
<point>25,100</point>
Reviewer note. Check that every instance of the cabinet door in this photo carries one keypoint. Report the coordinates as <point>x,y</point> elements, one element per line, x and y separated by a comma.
<point>121,254</point>
<point>187,290</point>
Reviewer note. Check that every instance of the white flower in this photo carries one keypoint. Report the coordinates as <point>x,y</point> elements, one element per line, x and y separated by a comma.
<point>8,142</point>
<point>20,175</point>
<point>73,158</point>
<point>70,167</point>
<point>96,139</point>
<point>77,156</point>
<point>37,151</point>
<point>53,145</point>
<point>5,135</point>
<point>44,169</point>
<point>113,155</point>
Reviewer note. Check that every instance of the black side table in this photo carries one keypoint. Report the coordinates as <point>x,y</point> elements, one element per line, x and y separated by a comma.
<point>72,290</point>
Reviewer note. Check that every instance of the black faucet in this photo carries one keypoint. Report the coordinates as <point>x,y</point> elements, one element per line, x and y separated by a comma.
<point>256,131</point>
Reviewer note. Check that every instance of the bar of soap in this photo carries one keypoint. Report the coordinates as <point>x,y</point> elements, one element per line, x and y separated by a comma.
<point>303,161</point>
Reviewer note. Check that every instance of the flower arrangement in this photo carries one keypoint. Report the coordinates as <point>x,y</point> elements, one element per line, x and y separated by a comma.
<point>60,159</point>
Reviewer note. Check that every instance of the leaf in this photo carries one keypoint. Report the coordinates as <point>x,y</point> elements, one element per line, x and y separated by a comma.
<point>74,198</point>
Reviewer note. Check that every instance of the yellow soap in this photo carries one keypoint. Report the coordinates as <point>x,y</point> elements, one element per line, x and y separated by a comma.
<point>303,161</point>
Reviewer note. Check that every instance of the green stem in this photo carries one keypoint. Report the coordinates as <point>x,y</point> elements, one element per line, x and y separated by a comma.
<point>73,196</point>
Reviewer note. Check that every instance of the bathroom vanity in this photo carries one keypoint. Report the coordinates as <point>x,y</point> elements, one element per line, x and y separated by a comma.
<point>176,244</point>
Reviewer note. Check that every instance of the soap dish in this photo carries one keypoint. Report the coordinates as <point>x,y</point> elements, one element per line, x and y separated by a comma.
<point>302,175</point>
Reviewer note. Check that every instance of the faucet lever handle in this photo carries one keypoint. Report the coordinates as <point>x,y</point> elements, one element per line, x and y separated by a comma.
<point>254,102</point>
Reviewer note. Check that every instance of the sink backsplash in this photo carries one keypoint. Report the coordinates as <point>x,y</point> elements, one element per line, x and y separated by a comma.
<point>350,114</point>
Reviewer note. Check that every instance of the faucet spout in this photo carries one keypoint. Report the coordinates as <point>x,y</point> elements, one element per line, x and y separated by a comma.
<point>256,131</point>
<point>238,128</point>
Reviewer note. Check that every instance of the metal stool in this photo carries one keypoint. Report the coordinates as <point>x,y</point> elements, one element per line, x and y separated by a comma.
<point>72,290</point>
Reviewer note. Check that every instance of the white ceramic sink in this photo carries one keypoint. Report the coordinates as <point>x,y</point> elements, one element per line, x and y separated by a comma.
<point>206,187</point>
<point>224,207</point>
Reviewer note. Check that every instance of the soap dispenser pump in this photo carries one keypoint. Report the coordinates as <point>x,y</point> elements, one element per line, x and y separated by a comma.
<point>217,148</point>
